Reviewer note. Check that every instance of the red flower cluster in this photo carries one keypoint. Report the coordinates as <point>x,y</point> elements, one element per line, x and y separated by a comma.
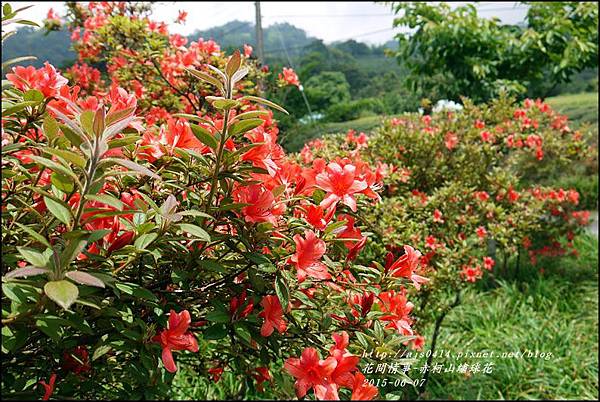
<point>325,377</point>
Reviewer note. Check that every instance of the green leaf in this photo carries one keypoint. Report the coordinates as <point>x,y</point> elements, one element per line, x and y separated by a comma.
<point>144,240</point>
<point>52,325</point>
<point>72,249</point>
<point>17,107</point>
<point>196,231</point>
<point>33,257</point>
<point>133,166</point>
<point>73,137</point>
<point>204,136</point>
<point>67,155</point>
<point>107,199</point>
<point>83,278</point>
<point>283,292</point>
<point>62,182</point>
<point>122,142</point>
<point>218,316</point>
<point>87,121</point>
<point>50,127</point>
<point>207,78</point>
<point>212,265</point>
<point>217,331</point>
<point>25,272</point>
<point>57,209</point>
<point>233,64</point>
<point>244,125</point>
<point>243,333</point>
<point>101,351</point>
<point>63,293</point>
<point>54,166</point>
<point>34,95</point>
<point>265,102</point>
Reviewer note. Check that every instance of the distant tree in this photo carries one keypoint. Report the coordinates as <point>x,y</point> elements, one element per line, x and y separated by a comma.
<point>326,89</point>
<point>453,51</point>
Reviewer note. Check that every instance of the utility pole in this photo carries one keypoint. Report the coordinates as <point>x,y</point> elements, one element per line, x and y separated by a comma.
<point>260,51</point>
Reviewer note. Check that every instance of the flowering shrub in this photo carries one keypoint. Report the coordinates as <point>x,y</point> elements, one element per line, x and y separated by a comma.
<point>139,242</point>
<point>458,186</point>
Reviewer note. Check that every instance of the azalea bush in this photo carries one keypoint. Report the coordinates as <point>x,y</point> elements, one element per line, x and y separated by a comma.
<point>157,225</point>
<point>460,186</point>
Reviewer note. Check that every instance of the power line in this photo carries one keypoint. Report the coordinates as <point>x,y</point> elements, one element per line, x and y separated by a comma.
<point>335,40</point>
<point>327,15</point>
<point>291,65</point>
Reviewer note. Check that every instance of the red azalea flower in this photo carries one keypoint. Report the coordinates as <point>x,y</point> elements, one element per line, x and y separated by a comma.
<point>312,372</point>
<point>481,232</point>
<point>262,374</point>
<point>176,337</point>
<point>309,251</point>
<point>340,185</point>
<point>406,265</point>
<point>346,361</point>
<point>437,216</point>
<point>362,390</point>
<point>471,274</point>
<point>216,373</point>
<point>236,303</point>
<point>48,387</point>
<point>451,141</point>
<point>289,77</point>
<point>418,343</point>
<point>77,360</point>
<point>397,309</point>
<point>181,17</point>
<point>262,206</point>
<point>315,217</point>
<point>273,316</point>
<point>488,263</point>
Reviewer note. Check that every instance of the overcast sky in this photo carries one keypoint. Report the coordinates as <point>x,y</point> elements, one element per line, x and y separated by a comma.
<point>330,21</point>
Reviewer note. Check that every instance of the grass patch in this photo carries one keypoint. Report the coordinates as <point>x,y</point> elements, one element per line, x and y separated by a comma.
<point>555,312</point>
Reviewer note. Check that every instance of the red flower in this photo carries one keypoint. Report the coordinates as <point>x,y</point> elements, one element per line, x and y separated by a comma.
<point>215,373</point>
<point>181,17</point>
<point>471,274</point>
<point>248,50</point>
<point>262,374</point>
<point>362,390</point>
<point>312,372</point>
<point>340,185</point>
<point>406,265</point>
<point>349,231</point>
<point>309,251</point>
<point>77,360</point>
<point>486,136</point>
<point>397,309</point>
<point>273,315</point>
<point>346,362</point>
<point>177,134</point>
<point>176,337</point>
<point>418,342</point>
<point>45,79</point>
<point>437,216</point>
<point>48,388</point>
<point>488,263</point>
<point>289,77</point>
<point>481,232</point>
<point>236,303</point>
<point>451,140</point>
<point>316,216</point>
<point>262,204</point>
